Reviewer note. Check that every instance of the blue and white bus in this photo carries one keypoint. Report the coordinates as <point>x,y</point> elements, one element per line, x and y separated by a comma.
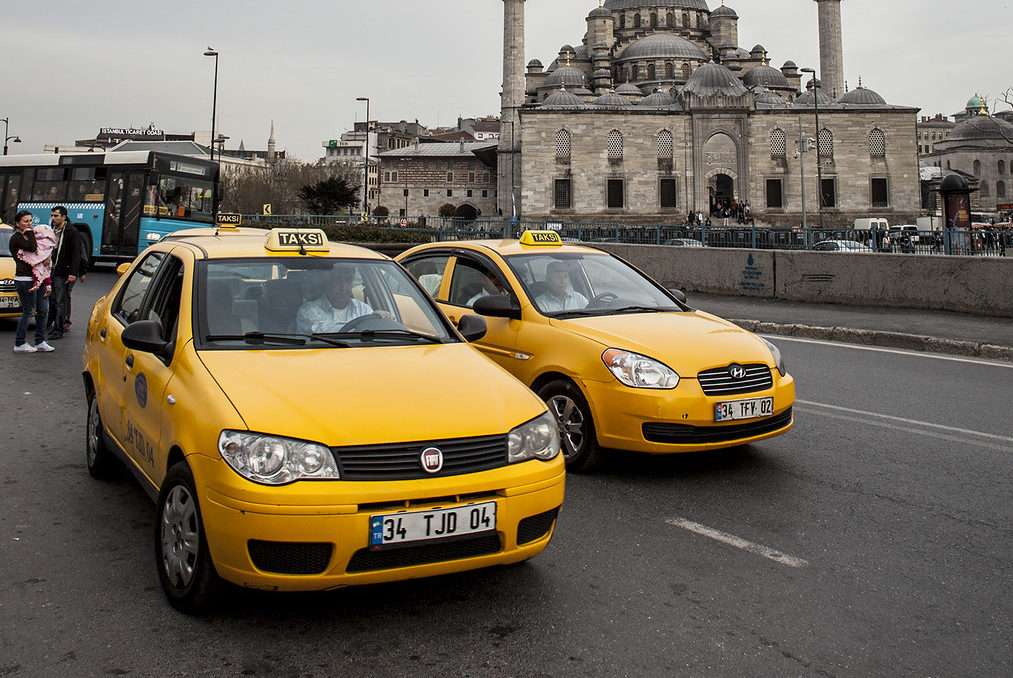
<point>120,201</point>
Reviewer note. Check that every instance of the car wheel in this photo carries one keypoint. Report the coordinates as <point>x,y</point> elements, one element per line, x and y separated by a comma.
<point>102,463</point>
<point>184,563</point>
<point>576,426</point>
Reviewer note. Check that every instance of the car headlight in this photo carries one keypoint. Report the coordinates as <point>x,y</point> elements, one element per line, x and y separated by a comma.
<point>275,461</point>
<point>778,360</point>
<point>639,371</point>
<point>537,439</point>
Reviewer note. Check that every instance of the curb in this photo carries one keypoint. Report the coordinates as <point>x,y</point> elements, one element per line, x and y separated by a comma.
<point>911,342</point>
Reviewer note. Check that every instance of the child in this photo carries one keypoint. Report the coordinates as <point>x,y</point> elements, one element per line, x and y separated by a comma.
<point>40,260</point>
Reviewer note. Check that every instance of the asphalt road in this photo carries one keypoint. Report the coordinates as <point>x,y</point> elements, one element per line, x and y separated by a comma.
<point>873,540</point>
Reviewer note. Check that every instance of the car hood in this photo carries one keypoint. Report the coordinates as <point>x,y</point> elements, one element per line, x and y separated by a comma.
<point>362,396</point>
<point>686,342</point>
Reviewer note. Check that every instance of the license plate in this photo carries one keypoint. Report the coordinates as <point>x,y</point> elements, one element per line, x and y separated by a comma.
<point>412,527</point>
<point>10,302</point>
<point>753,408</point>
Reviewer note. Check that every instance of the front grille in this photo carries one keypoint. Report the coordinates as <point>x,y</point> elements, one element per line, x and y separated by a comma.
<point>683,434</point>
<point>402,461</point>
<point>284,557</point>
<point>535,527</point>
<point>718,382</point>
<point>365,560</point>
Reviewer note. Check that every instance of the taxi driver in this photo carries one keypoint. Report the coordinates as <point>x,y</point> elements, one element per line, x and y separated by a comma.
<point>559,296</point>
<point>333,309</point>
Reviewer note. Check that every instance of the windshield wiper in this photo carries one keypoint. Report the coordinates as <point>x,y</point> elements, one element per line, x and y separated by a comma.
<point>382,334</point>
<point>579,314</point>
<point>260,338</point>
<point>641,309</point>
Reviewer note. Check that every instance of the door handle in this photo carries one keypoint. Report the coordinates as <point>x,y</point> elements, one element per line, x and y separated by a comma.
<point>130,360</point>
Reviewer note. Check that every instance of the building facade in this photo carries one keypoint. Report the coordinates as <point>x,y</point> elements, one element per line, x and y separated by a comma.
<point>931,131</point>
<point>418,180</point>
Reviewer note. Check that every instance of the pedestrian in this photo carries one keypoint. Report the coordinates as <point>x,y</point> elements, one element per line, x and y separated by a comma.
<point>33,303</point>
<point>66,269</point>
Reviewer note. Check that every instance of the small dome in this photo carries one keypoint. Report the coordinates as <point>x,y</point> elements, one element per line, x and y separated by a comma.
<point>975,103</point>
<point>599,13</point>
<point>583,92</point>
<point>954,182</point>
<point>743,54</point>
<point>806,100</point>
<point>983,128</point>
<point>603,73</point>
<point>562,99</point>
<point>628,88</point>
<point>581,54</point>
<point>758,48</point>
<point>768,76</point>
<point>534,63</point>
<point>712,79</point>
<point>862,97</point>
<point>661,46</point>
<point>566,49</point>
<point>568,76</point>
<point>790,64</point>
<point>767,99</point>
<point>553,66</point>
<point>658,100</point>
<point>724,11</point>
<point>612,100</point>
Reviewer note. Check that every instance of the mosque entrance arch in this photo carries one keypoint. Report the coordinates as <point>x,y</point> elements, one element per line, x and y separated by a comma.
<point>466,212</point>
<point>722,191</point>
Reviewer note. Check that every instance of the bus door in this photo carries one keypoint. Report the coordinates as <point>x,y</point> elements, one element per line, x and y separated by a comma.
<point>124,200</point>
<point>10,193</point>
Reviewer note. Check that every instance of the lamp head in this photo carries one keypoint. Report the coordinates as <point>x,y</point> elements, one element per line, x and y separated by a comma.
<point>210,52</point>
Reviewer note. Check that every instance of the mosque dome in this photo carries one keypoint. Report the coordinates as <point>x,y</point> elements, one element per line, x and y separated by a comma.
<point>661,46</point>
<point>534,63</point>
<point>628,88</point>
<point>975,103</point>
<point>789,64</point>
<point>658,100</point>
<point>581,54</point>
<point>599,13</point>
<point>615,5</point>
<point>743,54</point>
<point>566,49</point>
<point>562,99</point>
<point>862,97</point>
<point>724,11</point>
<point>768,76</point>
<point>612,100</point>
<point>767,99</point>
<point>806,100</point>
<point>983,128</point>
<point>758,48</point>
<point>711,79</point>
<point>567,76</point>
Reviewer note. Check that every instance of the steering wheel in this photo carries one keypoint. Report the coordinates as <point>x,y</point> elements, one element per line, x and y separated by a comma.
<point>357,323</point>
<point>604,298</point>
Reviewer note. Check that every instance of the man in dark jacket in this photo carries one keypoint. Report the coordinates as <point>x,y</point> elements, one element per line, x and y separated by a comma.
<point>66,268</point>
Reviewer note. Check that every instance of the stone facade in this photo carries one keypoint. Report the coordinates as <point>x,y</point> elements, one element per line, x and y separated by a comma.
<point>437,174</point>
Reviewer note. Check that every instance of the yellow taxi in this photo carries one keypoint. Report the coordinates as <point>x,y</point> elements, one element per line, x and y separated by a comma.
<point>622,362</point>
<point>10,302</point>
<point>306,418</point>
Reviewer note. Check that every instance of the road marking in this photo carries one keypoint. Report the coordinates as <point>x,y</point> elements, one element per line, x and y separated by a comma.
<point>912,424</point>
<point>738,542</point>
<point>896,351</point>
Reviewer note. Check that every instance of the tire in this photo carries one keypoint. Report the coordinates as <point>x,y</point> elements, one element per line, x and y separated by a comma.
<point>576,425</point>
<point>182,557</point>
<point>102,463</point>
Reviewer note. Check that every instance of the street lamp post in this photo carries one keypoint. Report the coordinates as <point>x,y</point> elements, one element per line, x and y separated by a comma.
<point>819,164</point>
<point>365,160</point>
<point>14,139</point>
<point>214,114</point>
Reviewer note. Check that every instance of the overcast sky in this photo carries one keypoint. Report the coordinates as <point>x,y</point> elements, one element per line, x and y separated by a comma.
<point>68,67</point>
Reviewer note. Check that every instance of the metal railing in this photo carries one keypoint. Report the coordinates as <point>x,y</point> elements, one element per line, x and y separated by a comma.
<point>978,242</point>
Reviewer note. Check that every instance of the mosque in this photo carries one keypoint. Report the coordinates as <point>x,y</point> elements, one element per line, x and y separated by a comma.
<point>658,111</point>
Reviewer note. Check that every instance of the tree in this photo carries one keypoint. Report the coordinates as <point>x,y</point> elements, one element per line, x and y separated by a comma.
<point>447,210</point>
<point>328,196</point>
<point>381,211</point>
<point>248,188</point>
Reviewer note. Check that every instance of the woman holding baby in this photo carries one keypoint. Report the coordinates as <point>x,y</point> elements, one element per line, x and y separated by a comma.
<point>32,252</point>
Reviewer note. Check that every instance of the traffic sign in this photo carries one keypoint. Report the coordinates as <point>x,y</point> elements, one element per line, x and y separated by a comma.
<point>365,218</point>
<point>403,222</point>
<point>267,209</point>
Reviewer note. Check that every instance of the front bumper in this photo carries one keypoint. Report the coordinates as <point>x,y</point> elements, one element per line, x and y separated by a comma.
<point>304,540</point>
<point>6,309</point>
<point>646,420</point>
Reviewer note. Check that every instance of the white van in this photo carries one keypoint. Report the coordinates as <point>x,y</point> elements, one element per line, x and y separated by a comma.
<point>871,223</point>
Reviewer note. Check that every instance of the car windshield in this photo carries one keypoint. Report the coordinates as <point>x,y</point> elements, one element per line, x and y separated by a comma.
<point>311,302</point>
<point>5,242</point>
<point>574,285</point>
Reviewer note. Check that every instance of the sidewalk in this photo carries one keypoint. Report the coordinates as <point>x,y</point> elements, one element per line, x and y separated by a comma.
<point>936,331</point>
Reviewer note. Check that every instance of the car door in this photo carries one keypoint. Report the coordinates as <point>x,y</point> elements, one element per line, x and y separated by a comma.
<point>125,309</point>
<point>147,375</point>
<point>473,277</point>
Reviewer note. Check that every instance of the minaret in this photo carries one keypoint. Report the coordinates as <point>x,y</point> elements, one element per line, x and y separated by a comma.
<point>271,145</point>
<point>512,98</point>
<point>831,49</point>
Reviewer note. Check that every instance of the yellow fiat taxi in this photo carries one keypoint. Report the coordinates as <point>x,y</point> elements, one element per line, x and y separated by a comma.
<point>621,362</point>
<point>10,302</point>
<point>305,418</point>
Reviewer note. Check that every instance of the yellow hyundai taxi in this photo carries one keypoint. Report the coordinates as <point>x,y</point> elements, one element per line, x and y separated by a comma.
<point>10,302</point>
<point>622,362</point>
<point>305,418</point>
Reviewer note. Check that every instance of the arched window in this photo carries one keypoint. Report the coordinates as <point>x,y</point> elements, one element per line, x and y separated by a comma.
<point>670,72</point>
<point>778,143</point>
<point>977,168</point>
<point>654,20</point>
<point>826,143</point>
<point>685,72</point>
<point>984,189</point>
<point>1000,189</point>
<point>636,20</point>
<point>563,144</point>
<point>698,20</point>
<point>877,143</point>
<point>615,145</point>
<point>666,148</point>
<point>635,73</point>
<point>685,19</point>
<point>622,21</point>
<point>626,75</point>
<point>1002,168</point>
<point>670,19</point>
<point>650,72</point>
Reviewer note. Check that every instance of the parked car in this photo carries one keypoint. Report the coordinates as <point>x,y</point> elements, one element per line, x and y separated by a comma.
<point>841,246</point>
<point>10,302</point>
<point>683,242</point>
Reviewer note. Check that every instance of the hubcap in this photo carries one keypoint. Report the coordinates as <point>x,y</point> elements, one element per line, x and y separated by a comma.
<point>93,431</point>
<point>180,539</point>
<point>570,421</point>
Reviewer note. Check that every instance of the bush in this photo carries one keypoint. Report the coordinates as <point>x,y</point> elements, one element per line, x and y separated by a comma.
<point>381,211</point>
<point>372,234</point>
<point>447,210</point>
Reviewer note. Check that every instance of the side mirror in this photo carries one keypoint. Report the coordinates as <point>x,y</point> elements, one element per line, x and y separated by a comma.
<point>471,327</point>
<point>123,268</point>
<point>144,336</point>
<point>496,306</point>
<point>678,294</point>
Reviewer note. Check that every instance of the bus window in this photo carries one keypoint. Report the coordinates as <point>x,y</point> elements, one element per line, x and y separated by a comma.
<point>9,197</point>
<point>184,197</point>
<point>87,184</point>
<point>50,185</point>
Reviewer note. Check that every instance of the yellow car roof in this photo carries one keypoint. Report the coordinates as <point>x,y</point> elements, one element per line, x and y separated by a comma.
<point>507,247</point>
<point>251,242</point>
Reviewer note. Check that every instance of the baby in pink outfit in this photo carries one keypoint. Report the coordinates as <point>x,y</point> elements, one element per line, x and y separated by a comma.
<point>45,240</point>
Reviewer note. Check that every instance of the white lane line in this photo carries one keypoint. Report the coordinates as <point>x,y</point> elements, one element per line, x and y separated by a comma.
<point>910,422</point>
<point>895,351</point>
<point>738,542</point>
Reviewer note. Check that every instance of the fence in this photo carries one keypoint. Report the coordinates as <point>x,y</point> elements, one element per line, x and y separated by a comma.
<point>978,242</point>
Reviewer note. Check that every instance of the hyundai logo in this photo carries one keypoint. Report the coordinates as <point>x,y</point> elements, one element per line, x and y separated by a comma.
<point>432,460</point>
<point>736,372</point>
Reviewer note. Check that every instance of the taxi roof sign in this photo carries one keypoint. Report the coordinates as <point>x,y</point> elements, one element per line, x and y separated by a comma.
<point>297,240</point>
<point>224,219</point>
<point>541,239</point>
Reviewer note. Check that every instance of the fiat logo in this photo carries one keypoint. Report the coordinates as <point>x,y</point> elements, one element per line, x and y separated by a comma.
<point>736,372</point>
<point>432,460</point>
